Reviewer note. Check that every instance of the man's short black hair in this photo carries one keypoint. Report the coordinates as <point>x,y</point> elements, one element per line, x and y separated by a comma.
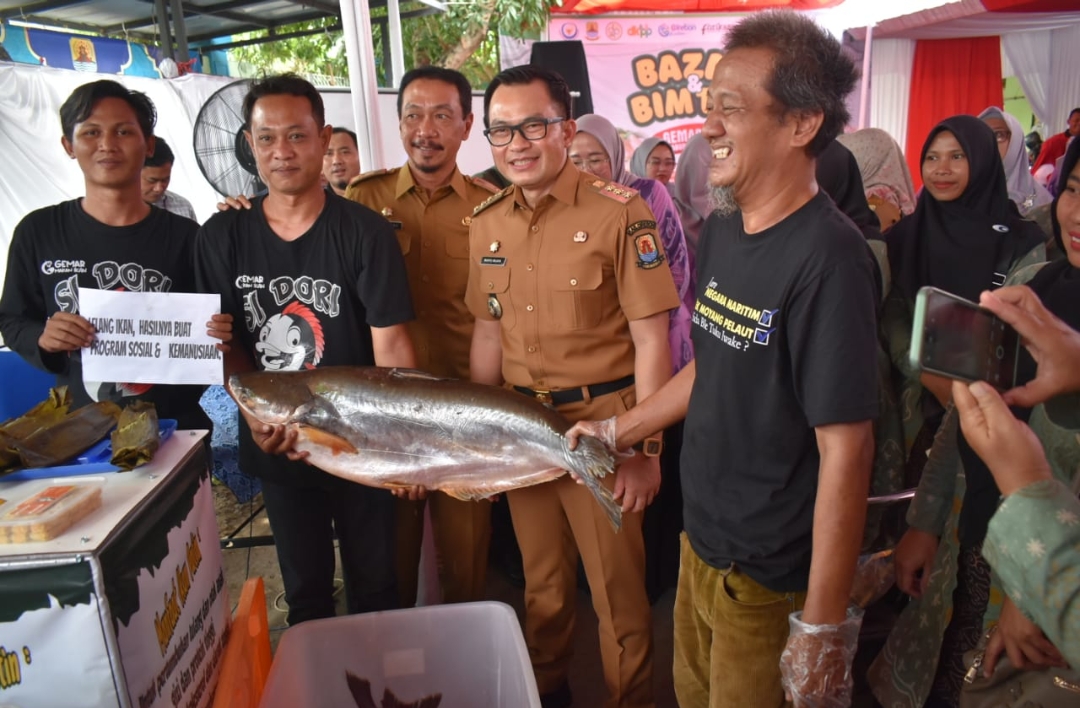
<point>438,73</point>
<point>523,75</point>
<point>1074,112</point>
<point>351,134</point>
<point>284,85</point>
<point>163,155</point>
<point>811,74</point>
<point>80,104</point>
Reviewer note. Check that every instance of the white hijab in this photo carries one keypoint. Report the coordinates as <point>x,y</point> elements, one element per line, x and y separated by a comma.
<point>1023,189</point>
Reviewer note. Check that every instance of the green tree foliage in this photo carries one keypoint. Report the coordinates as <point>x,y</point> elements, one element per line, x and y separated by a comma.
<point>466,38</point>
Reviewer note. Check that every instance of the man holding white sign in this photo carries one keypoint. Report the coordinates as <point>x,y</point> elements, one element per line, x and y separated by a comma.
<point>111,240</point>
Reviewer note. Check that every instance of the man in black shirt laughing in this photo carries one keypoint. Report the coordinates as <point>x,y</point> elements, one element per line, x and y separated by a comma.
<point>779,405</point>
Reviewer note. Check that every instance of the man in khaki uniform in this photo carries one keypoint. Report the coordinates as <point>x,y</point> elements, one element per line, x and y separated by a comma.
<point>571,291</point>
<point>429,203</point>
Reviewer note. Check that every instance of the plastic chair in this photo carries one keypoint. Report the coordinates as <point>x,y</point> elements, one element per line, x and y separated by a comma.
<point>247,654</point>
<point>21,385</point>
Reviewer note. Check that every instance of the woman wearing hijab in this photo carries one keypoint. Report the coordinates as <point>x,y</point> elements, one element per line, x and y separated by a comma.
<point>654,159</point>
<point>965,236</point>
<point>885,175</point>
<point>1025,192</point>
<point>940,560</point>
<point>690,189</point>
<point>597,148</point>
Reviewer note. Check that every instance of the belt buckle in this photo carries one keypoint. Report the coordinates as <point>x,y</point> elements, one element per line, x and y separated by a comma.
<point>543,396</point>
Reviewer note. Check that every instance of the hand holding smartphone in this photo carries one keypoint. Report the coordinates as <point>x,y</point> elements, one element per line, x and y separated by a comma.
<point>956,338</point>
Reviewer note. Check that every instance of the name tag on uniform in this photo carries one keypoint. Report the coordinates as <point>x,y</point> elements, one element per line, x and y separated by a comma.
<point>395,225</point>
<point>493,261</point>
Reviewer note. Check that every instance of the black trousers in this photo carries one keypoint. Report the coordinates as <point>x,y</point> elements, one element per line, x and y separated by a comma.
<point>304,520</point>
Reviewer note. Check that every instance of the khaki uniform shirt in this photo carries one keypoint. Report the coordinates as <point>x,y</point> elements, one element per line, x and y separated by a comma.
<point>434,237</point>
<point>565,279</point>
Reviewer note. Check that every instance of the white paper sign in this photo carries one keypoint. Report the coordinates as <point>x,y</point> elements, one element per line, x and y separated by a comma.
<point>150,338</point>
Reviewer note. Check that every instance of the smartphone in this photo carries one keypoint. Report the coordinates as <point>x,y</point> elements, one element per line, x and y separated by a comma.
<point>956,338</point>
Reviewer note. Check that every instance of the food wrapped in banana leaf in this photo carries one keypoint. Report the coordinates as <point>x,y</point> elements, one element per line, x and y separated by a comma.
<point>136,437</point>
<point>44,414</point>
<point>66,438</point>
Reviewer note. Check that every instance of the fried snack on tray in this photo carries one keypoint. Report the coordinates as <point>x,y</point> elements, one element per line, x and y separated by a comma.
<point>136,437</point>
<point>48,513</point>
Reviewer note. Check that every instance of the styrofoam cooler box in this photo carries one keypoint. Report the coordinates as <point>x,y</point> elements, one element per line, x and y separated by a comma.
<point>471,653</point>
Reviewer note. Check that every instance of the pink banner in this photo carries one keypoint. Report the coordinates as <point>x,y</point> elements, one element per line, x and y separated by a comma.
<point>649,75</point>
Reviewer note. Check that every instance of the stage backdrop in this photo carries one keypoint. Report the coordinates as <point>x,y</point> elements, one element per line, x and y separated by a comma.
<point>649,75</point>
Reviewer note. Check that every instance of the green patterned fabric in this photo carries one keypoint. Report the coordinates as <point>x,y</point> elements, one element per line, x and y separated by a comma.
<point>1033,545</point>
<point>902,675</point>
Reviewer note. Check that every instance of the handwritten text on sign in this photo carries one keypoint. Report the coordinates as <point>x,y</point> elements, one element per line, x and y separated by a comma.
<point>150,338</point>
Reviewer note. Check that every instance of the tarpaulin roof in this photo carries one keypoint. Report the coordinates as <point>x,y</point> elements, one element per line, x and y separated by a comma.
<point>591,7</point>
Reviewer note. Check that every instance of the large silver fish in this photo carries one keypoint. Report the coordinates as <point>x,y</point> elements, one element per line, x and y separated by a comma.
<point>398,428</point>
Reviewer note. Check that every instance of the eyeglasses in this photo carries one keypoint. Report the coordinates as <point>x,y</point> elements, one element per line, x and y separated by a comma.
<point>1002,136</point>
<point>532,129</point>
<point>593,163</point>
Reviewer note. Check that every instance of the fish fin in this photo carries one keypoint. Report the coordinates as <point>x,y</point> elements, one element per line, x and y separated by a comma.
<point>391,701</point>
<point>592,462</point>
<point>361,690</point>
<point>606,500</point>
<point>336,443</point>
<point>415,374</point>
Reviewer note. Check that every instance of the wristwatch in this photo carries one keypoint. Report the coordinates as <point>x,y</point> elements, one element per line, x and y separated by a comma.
<point>652,446</point>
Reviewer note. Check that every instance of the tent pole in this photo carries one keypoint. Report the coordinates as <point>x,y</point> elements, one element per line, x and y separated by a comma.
<point>397,49</point>
<point>864,96</point>
<point>356,28</point>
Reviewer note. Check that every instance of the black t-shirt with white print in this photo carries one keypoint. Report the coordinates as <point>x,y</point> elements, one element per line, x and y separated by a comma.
<point>304,303</point>
<point>784,332</point>
<point>59,249</point>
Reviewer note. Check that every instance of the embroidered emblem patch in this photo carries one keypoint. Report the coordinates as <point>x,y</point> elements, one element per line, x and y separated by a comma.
<point>648,255</point>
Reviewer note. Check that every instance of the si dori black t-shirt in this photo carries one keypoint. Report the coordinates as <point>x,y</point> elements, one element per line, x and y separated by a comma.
<point>59,249</point>
<point>304,303</point>
<point>784,332</point>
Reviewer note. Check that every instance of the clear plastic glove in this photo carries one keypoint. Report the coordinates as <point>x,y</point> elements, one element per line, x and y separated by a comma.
<point>602,430</point>
<point>816,663</point>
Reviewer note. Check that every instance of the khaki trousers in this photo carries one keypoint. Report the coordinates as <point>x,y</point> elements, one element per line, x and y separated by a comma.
<point>556,521</point>
<point>729,634</point>
<point>462,531</point>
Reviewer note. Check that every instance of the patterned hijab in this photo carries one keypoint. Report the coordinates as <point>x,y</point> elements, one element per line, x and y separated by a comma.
<point>640,158</point>
<point>884,171</point>
<point>608,136</point>
<point>1023,189</point>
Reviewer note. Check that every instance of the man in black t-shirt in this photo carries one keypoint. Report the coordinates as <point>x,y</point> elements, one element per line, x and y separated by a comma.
<point>780,401</point>
<point>111,240</point>
<point>317,281</point>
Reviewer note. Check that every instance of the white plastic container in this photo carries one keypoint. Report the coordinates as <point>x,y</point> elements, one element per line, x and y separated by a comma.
<point>471,653</point>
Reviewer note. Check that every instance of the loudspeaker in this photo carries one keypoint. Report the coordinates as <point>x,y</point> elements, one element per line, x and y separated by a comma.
<point>568,59</point>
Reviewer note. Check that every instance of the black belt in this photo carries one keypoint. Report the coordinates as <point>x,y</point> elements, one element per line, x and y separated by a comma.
<point>573,395</point>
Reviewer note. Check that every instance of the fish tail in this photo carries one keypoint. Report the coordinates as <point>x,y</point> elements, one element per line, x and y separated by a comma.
<point>591,462</point>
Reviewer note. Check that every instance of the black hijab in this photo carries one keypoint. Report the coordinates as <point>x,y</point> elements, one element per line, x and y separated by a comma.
<point>960,245</point>
<point>838,175</point>
<point>1058,286</point>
